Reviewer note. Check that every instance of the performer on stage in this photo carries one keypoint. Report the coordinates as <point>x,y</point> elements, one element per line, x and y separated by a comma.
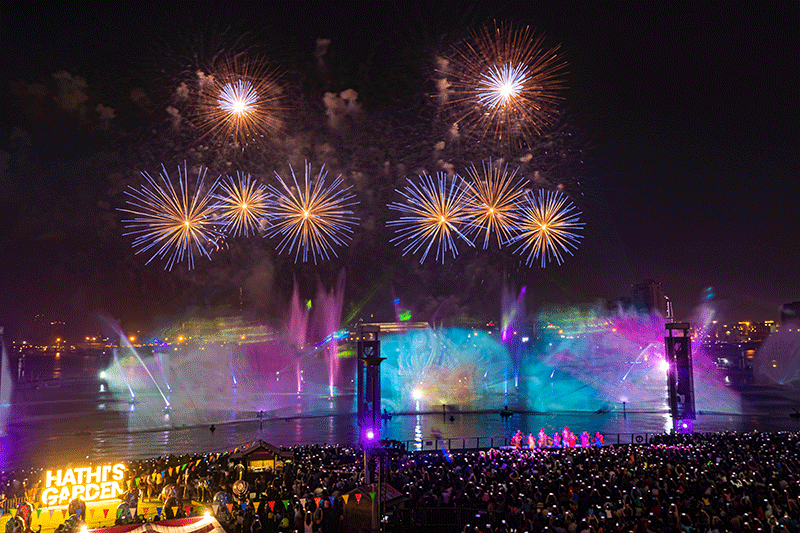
<point>598,440</point>
<point>516,440</point>
<point>543,438</point>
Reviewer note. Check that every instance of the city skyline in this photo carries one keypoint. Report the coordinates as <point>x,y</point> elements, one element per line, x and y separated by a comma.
<point>678,143</point>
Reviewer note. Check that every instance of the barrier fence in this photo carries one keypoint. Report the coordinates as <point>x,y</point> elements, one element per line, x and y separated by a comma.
<point>497,441</point>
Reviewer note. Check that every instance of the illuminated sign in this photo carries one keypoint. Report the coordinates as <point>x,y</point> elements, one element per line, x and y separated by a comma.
<point>89,484</point>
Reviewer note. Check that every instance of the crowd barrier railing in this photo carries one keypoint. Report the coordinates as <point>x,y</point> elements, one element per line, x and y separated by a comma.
<point>500,441</point>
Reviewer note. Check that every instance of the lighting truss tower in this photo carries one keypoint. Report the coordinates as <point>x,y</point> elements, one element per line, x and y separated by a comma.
<point>680,380</point>
<point>369,381</point>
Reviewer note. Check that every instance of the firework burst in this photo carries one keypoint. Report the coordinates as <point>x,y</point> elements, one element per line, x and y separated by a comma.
<point>435,213</point>
<point>503,83</point>
<point>493,202</point>
<point>172,223</point>
<point>312,216</point>
<point>239,104</point>
<point>547,227</point>
<point>242,204</point>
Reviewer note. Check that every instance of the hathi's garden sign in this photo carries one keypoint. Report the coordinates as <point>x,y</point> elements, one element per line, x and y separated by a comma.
<point>88,483</point>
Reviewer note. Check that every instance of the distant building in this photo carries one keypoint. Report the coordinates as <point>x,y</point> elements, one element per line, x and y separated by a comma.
<point>740,332</point>
<point>790,315</point>
<point>649,297</point>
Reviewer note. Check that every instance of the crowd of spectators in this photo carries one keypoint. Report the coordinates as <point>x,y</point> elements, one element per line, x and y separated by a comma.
<point>675,483</point>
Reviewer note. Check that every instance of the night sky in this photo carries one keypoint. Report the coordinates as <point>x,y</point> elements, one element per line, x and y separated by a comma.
<point>681,120</point>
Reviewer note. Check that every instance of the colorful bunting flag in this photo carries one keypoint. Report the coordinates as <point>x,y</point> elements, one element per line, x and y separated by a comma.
<point>2,511</point>
<point>105,513</point>
<point>119,512</point>
<point>331,498</point>
<point>158,511</point>
<point>345,497</point>
<point>215,507</point>
<point>38,513</point>
<point>271,505</point>
<point>286,504</point>
<point>144,511</point>
<point>230,507</point>
<point>256,504</point>
<point>317,500</point>
<point>51,511</point>
<point>63,513</point>
<point>372,495</point>
<point>78,512</point>
<point>174,510</point>
<point>244,506</point>
<point>358,497</point>
<point>302,502</point>
<point>91,512</point>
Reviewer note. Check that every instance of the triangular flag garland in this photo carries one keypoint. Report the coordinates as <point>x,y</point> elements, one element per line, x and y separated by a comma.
<point>244,506</point>
<point>317,500</point>
<point>331,498</point>
<point>372,495</point>
<point>105,513</point>
<point>2,511</point>
<point>302,502</point>
<point>256,504</point>
<point>158,511</point>
<point>119,512</point>
<point>230,507</point>
<point>174,510</point>
<point>38,513</point>
<point>271,505</point>
<point>51,511</point>
<point>63,513</point>
<point>358,497</point>
<point>144,511</point>
<point>91,512</point>
<point>345,497</point>
<point>286,504</point>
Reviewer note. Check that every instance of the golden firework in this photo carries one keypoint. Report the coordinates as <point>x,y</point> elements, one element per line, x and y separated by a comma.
<point>503,83</point>
<point>493,202</point>
<point>172,223</point>
<point>547,227</point>
<point>242,204</point>
<point>240,103</point>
